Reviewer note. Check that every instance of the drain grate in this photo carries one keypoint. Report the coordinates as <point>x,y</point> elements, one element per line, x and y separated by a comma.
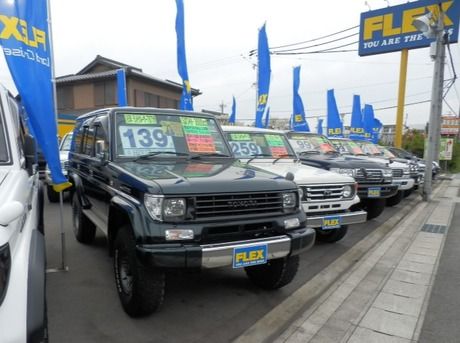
<point>434,228</point>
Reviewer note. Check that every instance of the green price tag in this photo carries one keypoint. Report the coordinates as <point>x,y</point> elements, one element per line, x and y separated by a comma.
<point>240,137</point>
<point>148,119</point>
<point>274,140</point>
<point>195,126</point>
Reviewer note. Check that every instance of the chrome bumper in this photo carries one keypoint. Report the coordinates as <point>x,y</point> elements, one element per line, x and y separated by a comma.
<point>346,218</point>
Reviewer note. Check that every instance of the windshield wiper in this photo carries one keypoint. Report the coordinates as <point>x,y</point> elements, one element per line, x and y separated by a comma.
<point>212,154</point>
<point>307,152</point>
<point>283,156</point>
<point>257,155</point>
<point>156,153</point>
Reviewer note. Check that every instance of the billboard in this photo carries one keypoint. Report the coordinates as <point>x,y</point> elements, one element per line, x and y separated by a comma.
<point>390,28</point>
<point>446,149</point>
<point>450,125</point>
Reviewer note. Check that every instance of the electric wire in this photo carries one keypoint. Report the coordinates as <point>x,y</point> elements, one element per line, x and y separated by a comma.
<point>315,45</point>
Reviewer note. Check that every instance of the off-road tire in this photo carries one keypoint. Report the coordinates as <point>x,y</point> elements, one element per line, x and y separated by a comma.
<point>331,236</point>
<point>275,273</point>
<point>53,196</point>
<point>141,289</point>
<point>374,207</point>
<point>83,228</point>
<point>395,199</point>
<point>408,192</point>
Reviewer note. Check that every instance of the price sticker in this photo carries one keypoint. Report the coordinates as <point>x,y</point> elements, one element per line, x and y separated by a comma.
<point>274,140</point>
<point>147,119</point>
<point>240,137</point>
<point>138,140</point>
<point>245,149</point>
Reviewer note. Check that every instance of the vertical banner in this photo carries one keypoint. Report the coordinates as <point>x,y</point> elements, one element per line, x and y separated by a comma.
<point>368,122</point>
<point>356,127</point>
<point>319,129</point>
<point>376,130</point>
<point>267,118</point>
<point>25,39</point>
<point>334,124</point>
<point>186,98</point>
<point>232,117</point>
<point>299,122</point>
<point>121,87</point>
<point>263,75</point>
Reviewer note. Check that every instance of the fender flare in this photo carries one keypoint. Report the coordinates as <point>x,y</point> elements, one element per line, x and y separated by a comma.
<point>78,189</point>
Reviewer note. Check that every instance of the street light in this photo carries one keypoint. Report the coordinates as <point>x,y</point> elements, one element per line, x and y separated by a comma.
<point>433,28</point>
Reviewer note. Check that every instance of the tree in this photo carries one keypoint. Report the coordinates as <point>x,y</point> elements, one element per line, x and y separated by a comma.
<point>414,141</point>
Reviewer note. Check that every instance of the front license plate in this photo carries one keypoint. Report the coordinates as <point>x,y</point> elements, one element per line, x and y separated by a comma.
<point>331,222</point>
<point>373,192</point>
<point>249,256</point>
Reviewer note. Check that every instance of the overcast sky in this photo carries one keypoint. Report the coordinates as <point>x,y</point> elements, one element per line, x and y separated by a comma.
<point>219,36</point>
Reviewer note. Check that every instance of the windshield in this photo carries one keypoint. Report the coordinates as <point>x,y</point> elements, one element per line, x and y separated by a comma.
<point>345,146</point>
<point>370,148</point>
<point>386,153</point>
<point>65,144</point>
<point>260,145</point>
<point>3,147</point>
<point>303,143</point>
<point>148,133</point>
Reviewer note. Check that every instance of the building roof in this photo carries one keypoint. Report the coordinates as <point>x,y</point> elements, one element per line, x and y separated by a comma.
<point>86,74</point>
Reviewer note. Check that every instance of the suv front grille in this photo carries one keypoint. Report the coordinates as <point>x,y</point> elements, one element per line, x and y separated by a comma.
<point>207,206</point>
<point>397,172</point>
<point>323,192</point>
<point>369,175</point>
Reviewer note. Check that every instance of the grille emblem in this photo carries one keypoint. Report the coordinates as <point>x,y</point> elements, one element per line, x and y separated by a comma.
<point>327,192</point>
<point>242,203</point>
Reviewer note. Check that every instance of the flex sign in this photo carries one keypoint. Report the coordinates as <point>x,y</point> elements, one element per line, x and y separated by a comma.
<point>390,29</point>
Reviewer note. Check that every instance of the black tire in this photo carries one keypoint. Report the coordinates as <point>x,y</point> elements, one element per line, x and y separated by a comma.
<point>331,236</point>
<point>275,273</point>
<point>395,199</point>
<point>83,228</point>
<point>374,207</point>
<point>53,196</point>
<point>408,192</point>
<point>141,289</point>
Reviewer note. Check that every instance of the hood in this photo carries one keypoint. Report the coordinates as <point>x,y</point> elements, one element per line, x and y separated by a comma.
<point>345,161</point>
<point>200,177</point>
<point>303,175</point>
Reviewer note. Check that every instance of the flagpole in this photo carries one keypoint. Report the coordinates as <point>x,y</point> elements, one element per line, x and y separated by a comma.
<point>64,266</point>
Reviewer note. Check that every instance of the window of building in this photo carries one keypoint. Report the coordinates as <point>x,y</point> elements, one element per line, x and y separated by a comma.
<point>151,100</point>
<point>104,93</point>
<point>168,103</point>
<point>65,97</point>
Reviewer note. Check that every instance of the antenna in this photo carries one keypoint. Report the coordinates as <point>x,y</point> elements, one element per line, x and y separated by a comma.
<point>368,6</point>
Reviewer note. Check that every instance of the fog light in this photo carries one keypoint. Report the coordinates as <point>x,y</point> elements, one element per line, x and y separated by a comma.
<point>178,235</point>
<point>291,223</point>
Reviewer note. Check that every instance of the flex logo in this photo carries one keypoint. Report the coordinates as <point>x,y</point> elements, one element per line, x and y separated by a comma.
<point>263,98</point>
<point>358,130</point>
<point>18,29</point>
<point>298,118</point>
<point>386,23</point>
<point>188,88</point>
<point>249,256</point>
<point>331,222</point>
<point>336,131</point>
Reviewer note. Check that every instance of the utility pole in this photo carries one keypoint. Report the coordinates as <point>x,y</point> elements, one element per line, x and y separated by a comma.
<point>434,127</point>
<point>222,106</point>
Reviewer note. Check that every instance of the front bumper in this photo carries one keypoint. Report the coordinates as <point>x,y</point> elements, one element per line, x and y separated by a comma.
<point>404,184</point>
<point>346,218</point>
<point>221,254</point>
<point>385,190</point>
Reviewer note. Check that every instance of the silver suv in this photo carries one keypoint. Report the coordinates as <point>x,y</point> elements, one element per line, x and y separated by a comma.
<point>22,244</point>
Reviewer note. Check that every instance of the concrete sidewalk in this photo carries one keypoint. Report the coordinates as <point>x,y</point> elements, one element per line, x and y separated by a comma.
<point>384,296</point>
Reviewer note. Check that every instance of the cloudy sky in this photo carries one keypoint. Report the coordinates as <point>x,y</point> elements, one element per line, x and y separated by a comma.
<point>219,36</point>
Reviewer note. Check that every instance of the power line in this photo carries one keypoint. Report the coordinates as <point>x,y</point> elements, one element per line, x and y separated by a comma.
<point>316,45</point>
<point>330,50</point>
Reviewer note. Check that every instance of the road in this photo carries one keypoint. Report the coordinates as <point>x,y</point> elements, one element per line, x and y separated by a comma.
<point>211,306</point>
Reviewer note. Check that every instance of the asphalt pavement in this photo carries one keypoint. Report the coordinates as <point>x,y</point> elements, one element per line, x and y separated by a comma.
<point>214,305</point>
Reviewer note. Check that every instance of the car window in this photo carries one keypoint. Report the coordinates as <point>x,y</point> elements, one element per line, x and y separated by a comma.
<point>65,144</point>
<point>370,149</point>
<point>143,133</point>
<point>252,144</point>
<point>303,143</point>
<point>4,157</point>
<point>347,147</point>
<point>88,141</point>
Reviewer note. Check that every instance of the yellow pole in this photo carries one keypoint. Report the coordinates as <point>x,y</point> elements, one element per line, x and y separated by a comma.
<point>401,97</point>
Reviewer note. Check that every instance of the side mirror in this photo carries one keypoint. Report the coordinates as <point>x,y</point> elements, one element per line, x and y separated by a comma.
<point>100,150</point>
<point>10,212</point>
<point>30,152</point>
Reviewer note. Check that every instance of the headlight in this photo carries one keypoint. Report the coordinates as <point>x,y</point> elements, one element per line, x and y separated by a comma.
<point>348,191</point>
<point>161,209</point>
<point>289,200</point>
<point>301,193</point>
<point>387,172</point>
<point>346,171</point>
<point>406,171</point>
<point>5,266</point>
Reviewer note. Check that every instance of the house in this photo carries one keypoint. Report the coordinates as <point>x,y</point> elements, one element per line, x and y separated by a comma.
<point>96,86</point>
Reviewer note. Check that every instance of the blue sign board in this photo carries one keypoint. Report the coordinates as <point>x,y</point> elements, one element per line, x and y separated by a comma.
<point>390,28</point>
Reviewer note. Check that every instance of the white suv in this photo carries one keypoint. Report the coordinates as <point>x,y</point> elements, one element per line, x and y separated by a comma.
<point>326,196</point>
<point>22,244</point>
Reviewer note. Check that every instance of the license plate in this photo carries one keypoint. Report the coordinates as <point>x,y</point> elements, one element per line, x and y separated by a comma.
<point>331,222</point>
<point>249,256</point>
<point>373,192</point>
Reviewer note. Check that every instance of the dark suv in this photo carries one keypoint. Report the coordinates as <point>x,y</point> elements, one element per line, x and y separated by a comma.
<point>375,180</point>
<point>167,192</point>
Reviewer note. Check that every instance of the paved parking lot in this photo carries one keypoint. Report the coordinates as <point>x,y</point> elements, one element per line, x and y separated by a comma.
<point>213,306</point>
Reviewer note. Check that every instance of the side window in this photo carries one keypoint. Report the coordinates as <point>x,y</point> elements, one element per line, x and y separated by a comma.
<point>88,141</point>
<point>100,127</point>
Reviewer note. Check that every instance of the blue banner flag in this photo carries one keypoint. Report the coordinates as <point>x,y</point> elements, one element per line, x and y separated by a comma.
<point>27,47</point>
<point>319,129</point>
<point>376,131</point>
<point>356,128</point>
<point>334,124</point>
<point>263,76</point>
<point>186,98</point>
<point>299,121</point>
<point>267,118</point>
<point>121,87</point>
<point>232,117</point>
<point>368,122</point>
